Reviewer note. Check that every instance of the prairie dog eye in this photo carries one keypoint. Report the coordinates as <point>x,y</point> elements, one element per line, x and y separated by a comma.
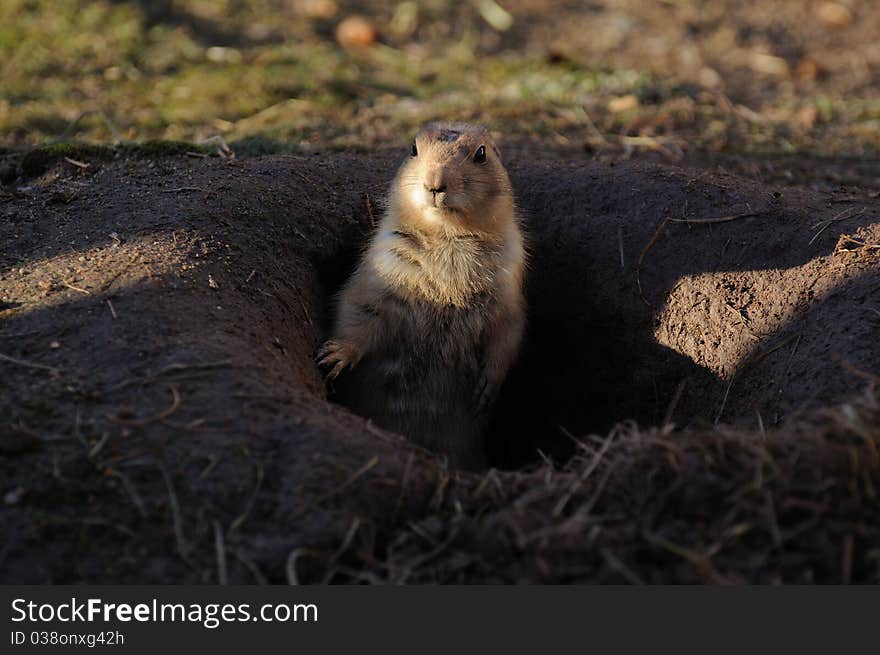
<point>414,151</point>
<point>480,155</point>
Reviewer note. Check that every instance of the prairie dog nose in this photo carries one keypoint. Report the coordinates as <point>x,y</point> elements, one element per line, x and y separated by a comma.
<point>434,181</point>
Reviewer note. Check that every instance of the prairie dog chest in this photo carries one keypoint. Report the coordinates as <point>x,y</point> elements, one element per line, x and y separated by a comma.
<point>454,271</point>
<point>425,335</point>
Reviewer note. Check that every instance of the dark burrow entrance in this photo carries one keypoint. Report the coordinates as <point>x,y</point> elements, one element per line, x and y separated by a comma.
<point>583,367</point>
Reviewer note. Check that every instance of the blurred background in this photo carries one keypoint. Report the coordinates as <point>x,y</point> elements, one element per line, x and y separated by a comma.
<point>665,76</point>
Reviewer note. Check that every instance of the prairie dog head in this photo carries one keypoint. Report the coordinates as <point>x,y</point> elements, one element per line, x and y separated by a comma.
<point>453,178</point>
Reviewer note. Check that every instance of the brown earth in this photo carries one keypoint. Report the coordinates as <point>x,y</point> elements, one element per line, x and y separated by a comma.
<point>162,419</point>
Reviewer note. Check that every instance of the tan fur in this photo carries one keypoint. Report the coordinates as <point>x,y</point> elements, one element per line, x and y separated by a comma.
<point>433,316</point>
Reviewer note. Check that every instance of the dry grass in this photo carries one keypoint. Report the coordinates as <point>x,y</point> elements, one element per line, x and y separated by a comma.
<point>797,505</point>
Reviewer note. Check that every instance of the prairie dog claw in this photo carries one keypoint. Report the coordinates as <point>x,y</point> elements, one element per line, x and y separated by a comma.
<point>339,355</point>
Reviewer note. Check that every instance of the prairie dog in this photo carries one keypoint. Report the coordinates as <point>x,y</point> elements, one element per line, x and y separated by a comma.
<point>433,316</point>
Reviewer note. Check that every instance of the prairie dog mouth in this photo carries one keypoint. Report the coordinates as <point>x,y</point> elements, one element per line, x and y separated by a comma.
<point>435,200</point>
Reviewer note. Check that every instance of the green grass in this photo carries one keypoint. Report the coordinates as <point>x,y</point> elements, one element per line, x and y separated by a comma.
<point>101,72</point>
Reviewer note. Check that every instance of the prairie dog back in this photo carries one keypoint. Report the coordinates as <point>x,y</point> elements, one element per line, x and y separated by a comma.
<point>432,318</point>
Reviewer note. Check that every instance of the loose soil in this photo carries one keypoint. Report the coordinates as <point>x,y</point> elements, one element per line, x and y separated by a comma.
<point>695,401</point>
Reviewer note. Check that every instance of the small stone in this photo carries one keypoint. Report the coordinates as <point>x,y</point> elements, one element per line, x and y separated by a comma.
<point>355,32</point>
<point>623,103</point>
<point>807,70</point>
<point>14,497</point>
<point>761,62</point>
<point>834,14</point>
<point>221,55</point>
<point>322,9</point>
<point>806,117</point>
<point>709,78</point>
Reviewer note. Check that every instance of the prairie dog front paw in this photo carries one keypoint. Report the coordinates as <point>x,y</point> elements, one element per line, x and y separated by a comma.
<point>338,354</point>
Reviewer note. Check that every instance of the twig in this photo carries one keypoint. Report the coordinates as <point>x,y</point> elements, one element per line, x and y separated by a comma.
<point>585,474</point>
<point>76,162</point>
<point>112,311</point>
<point>427,557</point>
<point>862,244</point>
<point>346,542</point>
<point>591,126</point>
<point>262,396</point>
<point>403,482</point>
<point>440,492</point>
<point>718,219</point>
<point>240,519</point>
<point>223,148</point>
<point>698,560</point>
<point>791,356</point>
<point>21,362</point>
<point>748,362</point>
<point>759,356</point>
<point>180,189</point>
<point>491,476</point>
<point>131,489</point>
<point>70,286</point>
<point>837,218</point>
<point>290,565</point>
<point>171,368</point>
<point>220,547</point>
<point>620,567</point>
<point>354,476</point>
<point>141,422</point>
<point>251,566</point>
<point>772,516</point>
<point>667,419</point>
<point>93,520</point>
<point>660,229</point>
<point>177,517</point>
<point>96,449</point>
<point>19,335</point>
<point>724,399</point>
<point>305,310</point>
<point>742,319</point>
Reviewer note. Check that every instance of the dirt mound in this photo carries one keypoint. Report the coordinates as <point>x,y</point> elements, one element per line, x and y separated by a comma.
<point>163,421</point>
